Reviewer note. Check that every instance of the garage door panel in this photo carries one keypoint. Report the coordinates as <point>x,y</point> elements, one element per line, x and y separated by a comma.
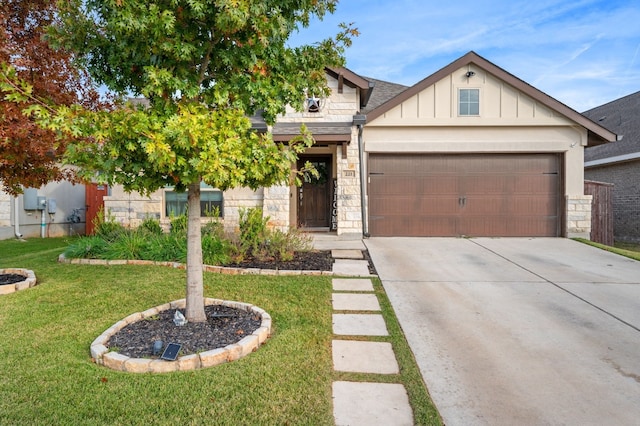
<point>399,205</point>
<point>468,194</point>
<point>524,206</point>
<point>436,226</point>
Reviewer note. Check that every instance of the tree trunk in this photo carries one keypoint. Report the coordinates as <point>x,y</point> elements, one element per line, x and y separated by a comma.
<point>194,311</point>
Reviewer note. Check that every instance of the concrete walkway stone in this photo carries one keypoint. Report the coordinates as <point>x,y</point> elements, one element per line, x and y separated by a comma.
<point>352,284</point>
<point>346,254</point>
<point>351,267</point>
<point>371,404</point>
<point>355,302</point>
<point>359,325</point>
<point>364,357</point>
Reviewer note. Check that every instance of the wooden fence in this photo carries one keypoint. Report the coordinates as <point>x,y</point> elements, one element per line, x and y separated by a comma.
<point>601,211</point>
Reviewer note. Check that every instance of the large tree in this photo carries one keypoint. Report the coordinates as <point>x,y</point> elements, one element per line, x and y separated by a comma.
<point>29,154</point>
<point>204,66</point>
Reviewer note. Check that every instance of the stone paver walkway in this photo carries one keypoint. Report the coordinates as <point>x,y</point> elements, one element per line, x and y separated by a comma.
<point>364,403</point>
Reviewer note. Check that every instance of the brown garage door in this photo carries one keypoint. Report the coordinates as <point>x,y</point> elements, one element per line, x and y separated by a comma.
<point>467,194</point>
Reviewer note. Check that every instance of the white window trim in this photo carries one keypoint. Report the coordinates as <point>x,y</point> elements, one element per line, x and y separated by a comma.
<point>460,89</point>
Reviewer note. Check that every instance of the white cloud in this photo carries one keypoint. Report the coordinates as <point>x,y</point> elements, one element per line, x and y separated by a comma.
<point>577,51</point>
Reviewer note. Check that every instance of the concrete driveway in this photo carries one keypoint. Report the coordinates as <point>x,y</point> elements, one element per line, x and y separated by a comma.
<point>518,330</point>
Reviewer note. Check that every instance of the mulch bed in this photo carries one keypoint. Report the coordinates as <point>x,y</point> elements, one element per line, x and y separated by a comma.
<point>224,326</point>
<point>316,260</point>
<point>6,279</point>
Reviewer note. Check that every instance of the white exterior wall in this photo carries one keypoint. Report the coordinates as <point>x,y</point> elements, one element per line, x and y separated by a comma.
<point>67,197</point>
<point>509,122</point>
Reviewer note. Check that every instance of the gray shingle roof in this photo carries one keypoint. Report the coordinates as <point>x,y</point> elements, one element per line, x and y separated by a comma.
<point>622,117</point>
<point>382,92</point>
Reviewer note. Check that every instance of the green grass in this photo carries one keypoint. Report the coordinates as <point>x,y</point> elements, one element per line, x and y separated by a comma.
<point>48,377</point>
<point>631,251</point>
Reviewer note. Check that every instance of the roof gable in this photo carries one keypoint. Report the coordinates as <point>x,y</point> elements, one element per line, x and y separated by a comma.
<point>596,133</point>
<point>348,77</point>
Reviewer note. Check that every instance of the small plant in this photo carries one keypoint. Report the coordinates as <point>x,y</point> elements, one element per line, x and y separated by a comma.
<point>215,250</point>
<point>106,226</point>
<point>285,244</point>
<point>179,224</point>
<point>166,248</point>
<point>253,230</point>
<point>151,226</point>
<point>90,247</point>
<point>128,245</point>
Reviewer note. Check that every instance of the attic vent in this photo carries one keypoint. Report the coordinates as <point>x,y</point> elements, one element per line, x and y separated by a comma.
<point>602,118</point>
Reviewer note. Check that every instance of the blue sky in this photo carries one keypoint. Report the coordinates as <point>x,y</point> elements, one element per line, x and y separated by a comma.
<point>584,53</point>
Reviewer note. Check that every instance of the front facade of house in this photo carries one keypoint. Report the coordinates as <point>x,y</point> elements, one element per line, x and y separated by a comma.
<point>469,151</point>
<point>619,163</point>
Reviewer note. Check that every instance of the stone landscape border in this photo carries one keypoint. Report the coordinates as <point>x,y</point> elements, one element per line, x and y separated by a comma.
<point>28,282</point>
<point>116,361</point>
<point>207,268</point>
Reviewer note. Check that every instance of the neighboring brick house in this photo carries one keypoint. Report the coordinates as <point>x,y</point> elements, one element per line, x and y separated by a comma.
<point>619,163</point>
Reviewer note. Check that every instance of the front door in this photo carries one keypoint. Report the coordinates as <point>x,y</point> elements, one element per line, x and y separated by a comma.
<point>314,196</point>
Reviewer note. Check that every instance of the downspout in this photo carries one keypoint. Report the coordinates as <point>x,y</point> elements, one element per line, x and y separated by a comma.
<point>16,218</point>
<point>360,120</point>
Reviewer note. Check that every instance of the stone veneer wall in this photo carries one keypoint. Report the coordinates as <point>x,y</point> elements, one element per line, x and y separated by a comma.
<point>131,209</point>
<point>349,200</point>
<point>276,205</point>
<point>579,216</point>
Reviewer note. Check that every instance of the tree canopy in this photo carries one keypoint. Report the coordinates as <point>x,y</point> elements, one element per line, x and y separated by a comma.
<point>203,67</point>
<point>29,154</point>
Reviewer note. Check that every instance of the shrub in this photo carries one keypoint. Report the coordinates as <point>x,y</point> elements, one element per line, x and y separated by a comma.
<point>216,250</point>
<point>166,248</point>
<point>106,226</point>
<point>179,224</point>
<point>253,231</point>
<point>151,226</point>
<point>128,245</point>
<point>283,245</point>
<point>89,247</point>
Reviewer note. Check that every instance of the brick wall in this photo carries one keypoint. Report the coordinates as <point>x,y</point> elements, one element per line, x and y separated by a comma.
<point>626,197</point>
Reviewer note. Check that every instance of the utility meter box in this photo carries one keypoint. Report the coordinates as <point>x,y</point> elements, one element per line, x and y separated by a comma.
<point>42,202</point>
<point>30,199</point>
<point>51,205</point>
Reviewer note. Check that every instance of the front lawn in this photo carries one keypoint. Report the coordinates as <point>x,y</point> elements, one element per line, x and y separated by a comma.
<point>48,377</point>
